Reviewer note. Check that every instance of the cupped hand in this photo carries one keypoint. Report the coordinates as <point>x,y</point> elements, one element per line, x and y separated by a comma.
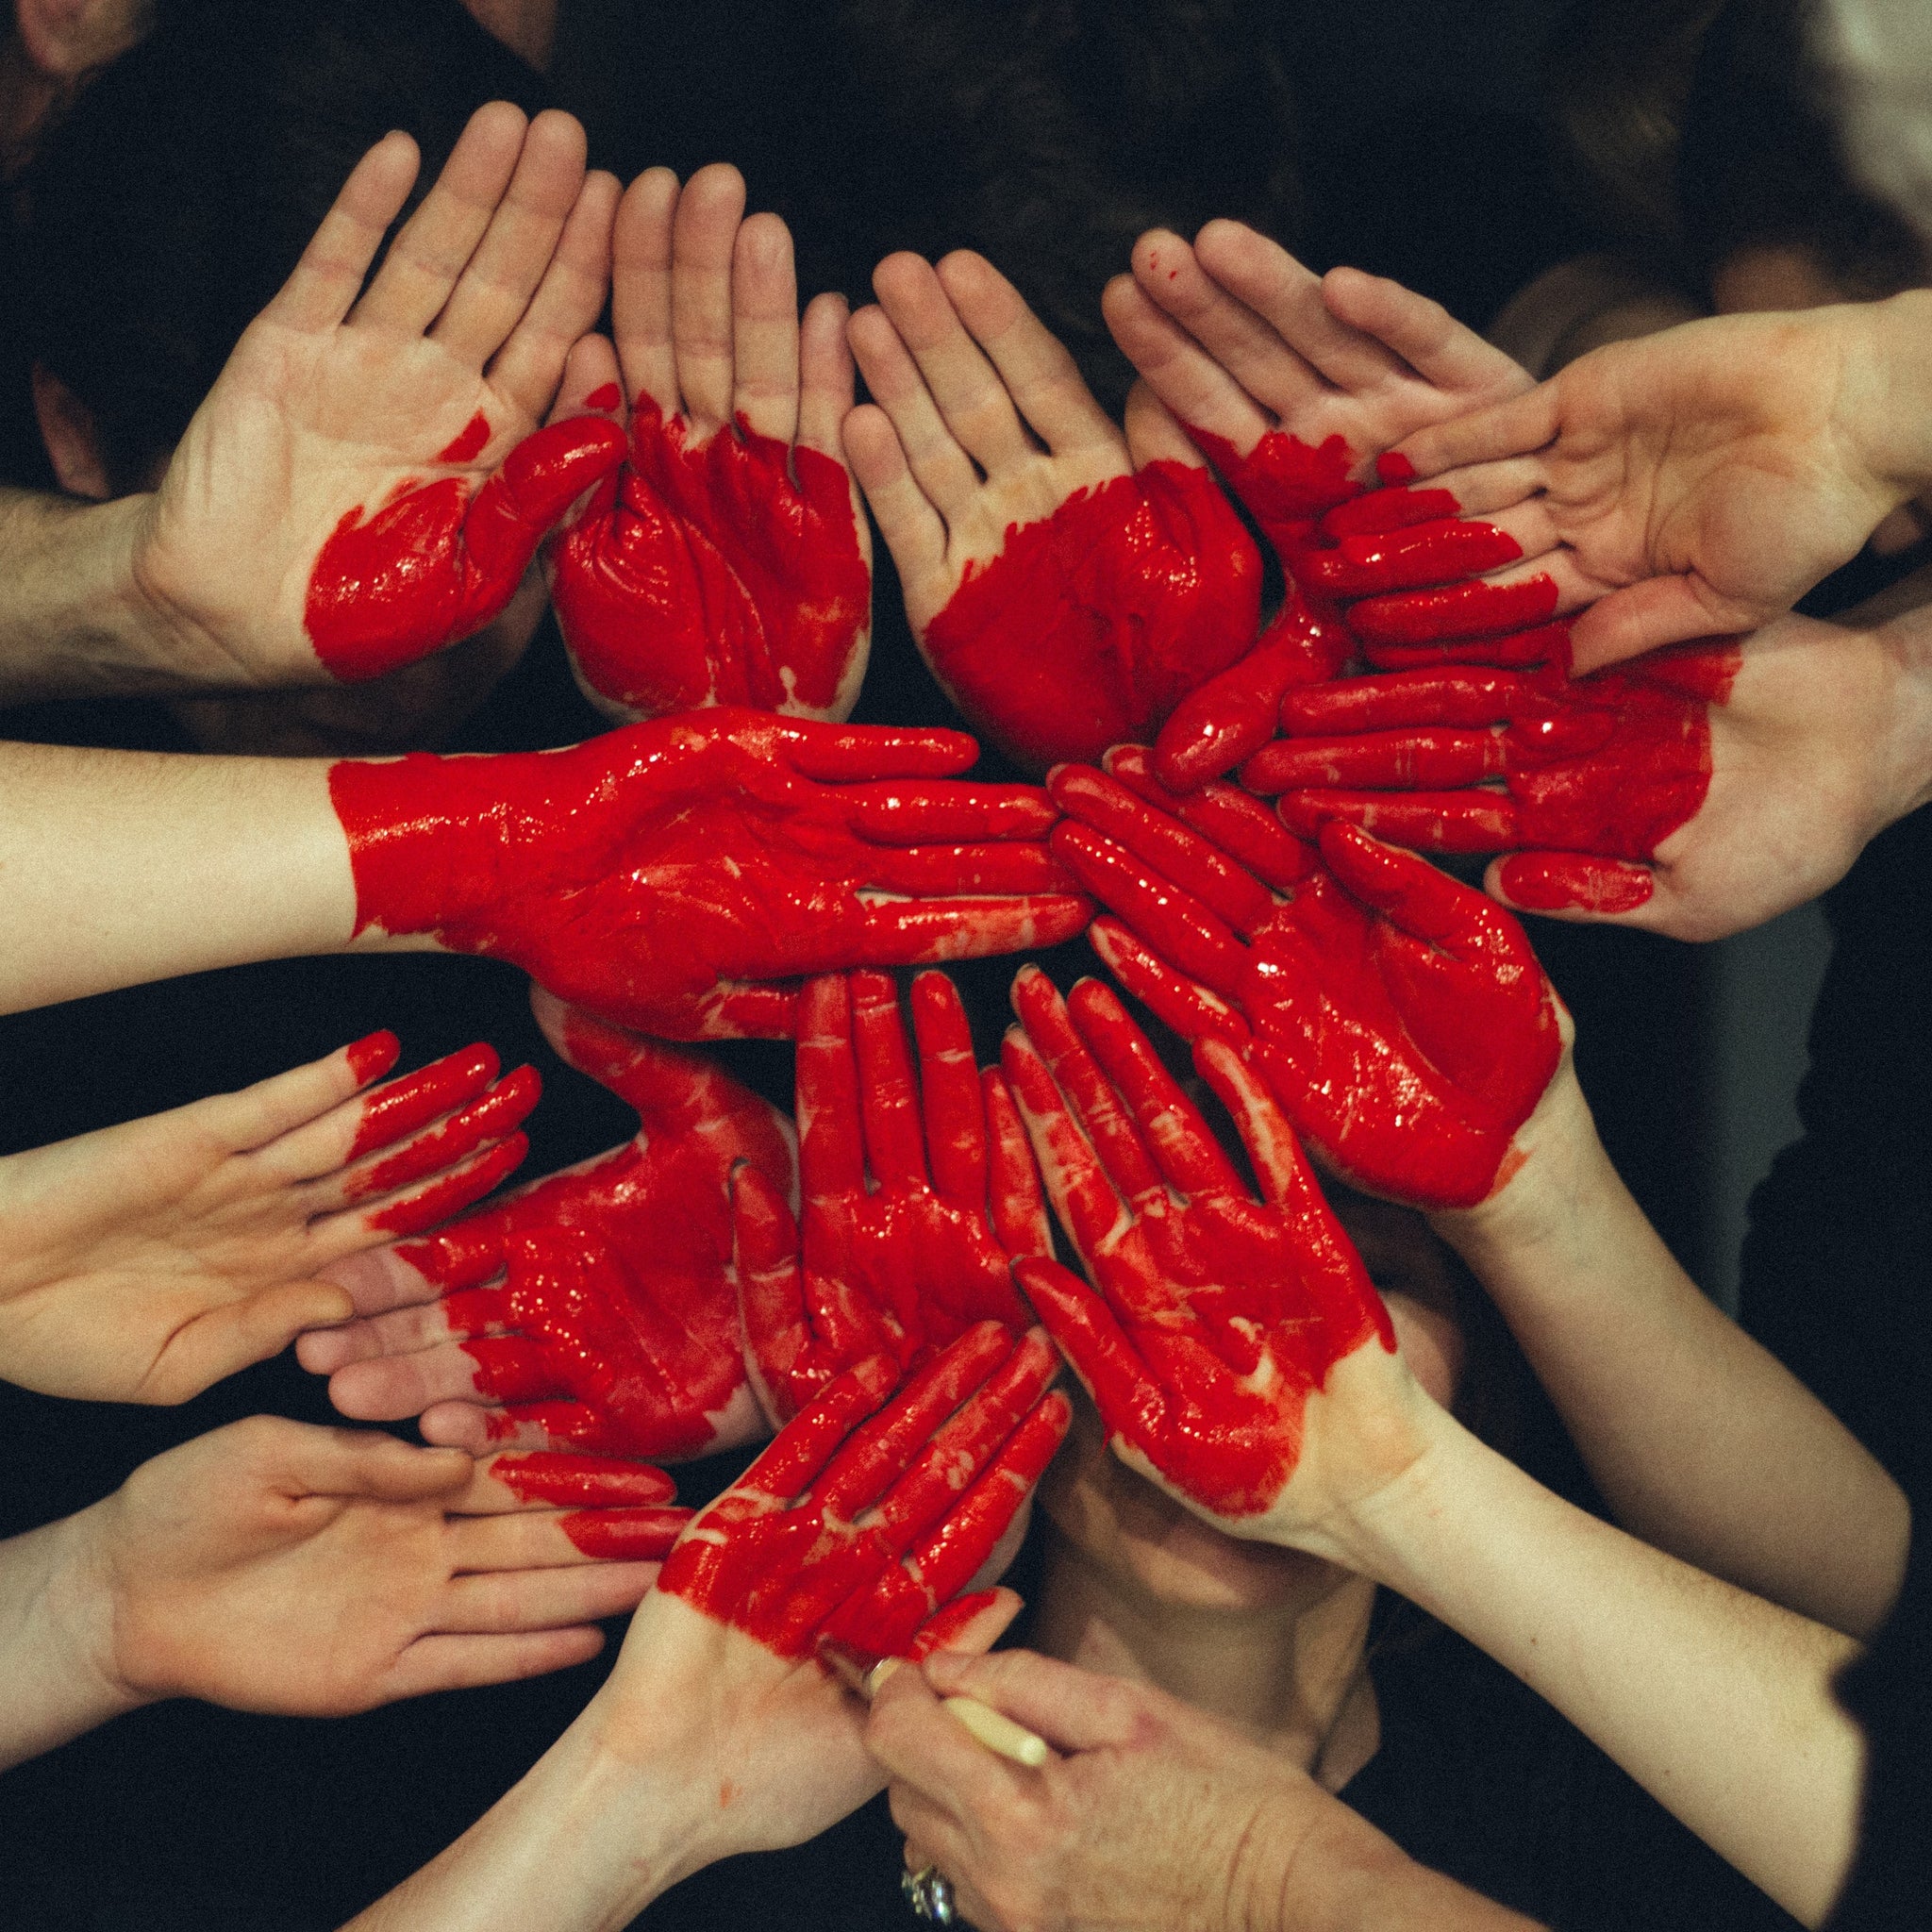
<point>366,482</point>
<point>1068,585</point>
<point>1400,1018</point>
<point>277,1567</point>
<point>143,1262</point>
<point>595,1309</point>
<point>1693,482</point>
<point>679,876</point>
<point>1697,792</point>
<point>868,1515</point>
<point>918,1197</point>
<point>1236,1352</point>
<point>728,562</point>
<point>1293,383</point>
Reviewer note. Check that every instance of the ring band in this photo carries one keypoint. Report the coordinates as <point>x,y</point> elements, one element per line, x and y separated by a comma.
<point>929,1892</point>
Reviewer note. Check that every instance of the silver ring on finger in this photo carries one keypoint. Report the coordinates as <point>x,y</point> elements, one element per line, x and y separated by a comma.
<point>929,1892</point>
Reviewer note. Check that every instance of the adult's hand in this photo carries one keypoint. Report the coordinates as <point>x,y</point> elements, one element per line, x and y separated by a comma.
<point>595,1309</point>
<point>917,1200</point>
<point>143,1262</point>
<point>277,1567</point>
<point>362,485</point>
<point>1700,480</point>
<point>1400,1019</point>
<point>665,876</point>
<point>1293,383</point>
<point>1151,1814</point>
<point>1236,1350</point>
<point>1068,585</point>
<point>1696,792</point>
<point>728,563</point>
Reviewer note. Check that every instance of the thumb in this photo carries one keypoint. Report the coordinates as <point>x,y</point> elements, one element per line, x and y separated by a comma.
<point>1073,1709</point>
<point>226,1339</point>
<point>1648,615</point>
<point>539,479</point>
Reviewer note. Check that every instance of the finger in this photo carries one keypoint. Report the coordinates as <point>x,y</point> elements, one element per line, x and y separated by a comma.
<point>1412,894</point>
<point>1225,815</point>
<point>1171,1126</point>
<point>462,1187</point>
<point>1038,373</point>
<point>704,234</point>
<point>592,384</point>
<point>483,1123</point>
<point>827,377</point>
<point>914,532</point>
<point>831,1148</point>
<point>1175,1000</point>
<point>1073,1709</point>
<point>1443,551</point>
<point>1099,1348</point>
<point>1432,697</point>
<point>401,1332</point>
<point>534,1539</point>
<point>323,285</point>
<point>1474,821</point>
<point>563,1427</point>
<point>869,753</point>
<point>969,1624</point>
<point>256,1115</point>
<point>1486,606</point>
<point>516,1481</point>
<point>1442,351</point>
<point>1417,760</point>
<point>771,1293</point>
<point>920,870</point>
<point>398,1109</point>
<point>1547,645</point>
<point>764,329</point>
<point>312,1461</point>
<point>500,277</point>
<point>955,1112</point>
<point>1155,434</point>
<point>948,812</point>
<point>1570,885</point>
<point>1182,374</point>
<point>377,1281</point>
<point>936,460</point>
<point>1516,427</point>
<point>1646,616</point>
<point>1272,1149</point>
<point>499,1601</point>
<point>930,1754</point>
<point>466,1663</point>
<point>393,1387</point>
<point>221,1341</point>
<point>806,1444</point>
<point>640,289</point>
<point>889,1108</point>
<point>932,931</point>
<point>436,243</point>
<point>568,300</point>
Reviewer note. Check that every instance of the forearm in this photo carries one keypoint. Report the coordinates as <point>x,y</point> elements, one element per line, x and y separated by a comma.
<point>584,1842</point>
<point>1701,1442</point>
<point>1719,1704</point>
<point>54,1621</point>
<point>73,622</point>
<point>120,867</point>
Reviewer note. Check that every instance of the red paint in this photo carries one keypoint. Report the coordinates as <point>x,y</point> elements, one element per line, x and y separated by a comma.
<point>1405,558</point>
<point>918,1197</point>
<point>726,572</point>
<point>857,1519</point>
<point>373,1056</point>
<point>476,433</point>
<point>1213,1316</point>
<point>1387,510</point>
<point>1561,882</point>
<point>433,564</point>
<point>592,1482</point>
<point>605,396</point>
<point>1391,466</point>
<point>1090,626</point>
<point>423,1096</point>
<point>1461,610</point>
<point>450,1195</point>
<point>1400,1018</point>
<point>627,1535</point>
<point>598,1304</point>
<point>1609,765</point>
<point>493,1116</point>
<point>1286,483</point>
<point>667,874</point>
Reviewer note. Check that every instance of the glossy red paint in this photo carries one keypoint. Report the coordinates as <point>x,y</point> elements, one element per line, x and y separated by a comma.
<point>490,1118</point>
<point>1091,624</point>
<point>917,1198</point>
<point>591,1482</point>
<point>1400,1019</point>
<point>433,563</point>
<point>476,433</point>
<point>1455,612</point>
<point>598,1304</point>
<point>1607,766</point>
<point>875,1504</point>
<point>722,571</point>
<point>373,1056</point>
<point>1561,882</point>
<point>1213,1316</point>
<point>418,1098</point>
<point>677,876</point>
<point>605,396</point>
<point>463,1188</point>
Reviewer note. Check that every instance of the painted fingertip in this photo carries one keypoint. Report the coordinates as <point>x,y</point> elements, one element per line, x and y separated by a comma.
<point>603,398</point>
<point>1560,882</point>
<point>373,1056</point>
<point>1391,466</point>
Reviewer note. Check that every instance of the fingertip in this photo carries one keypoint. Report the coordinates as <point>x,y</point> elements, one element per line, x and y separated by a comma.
<point>373,1056</point>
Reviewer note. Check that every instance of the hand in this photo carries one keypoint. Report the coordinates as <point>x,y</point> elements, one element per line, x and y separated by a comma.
<point>1695,793</point>
<point>916,1206</point>
<point>863,1521</point>
<point>277,1567</point>
<point>1236,1350</point>
<point>1400,1019</point>
<point>1152,1815</point>
<point>362,485</point>
<point>595,1309</point>
<point>664,876</point>
<point>729,564</point>
<point>1067,597</point>
<point>1702,479</point>
<point>145,1263</point>
<point>1292,383</point>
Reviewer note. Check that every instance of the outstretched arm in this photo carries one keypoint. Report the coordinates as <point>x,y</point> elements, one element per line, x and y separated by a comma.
<point>362,485</point>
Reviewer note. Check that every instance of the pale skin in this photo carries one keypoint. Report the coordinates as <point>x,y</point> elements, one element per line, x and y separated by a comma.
<point>277,1567</point>
<point>146,1261</point>
<point>706,322</point>
<point>334,397</point>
